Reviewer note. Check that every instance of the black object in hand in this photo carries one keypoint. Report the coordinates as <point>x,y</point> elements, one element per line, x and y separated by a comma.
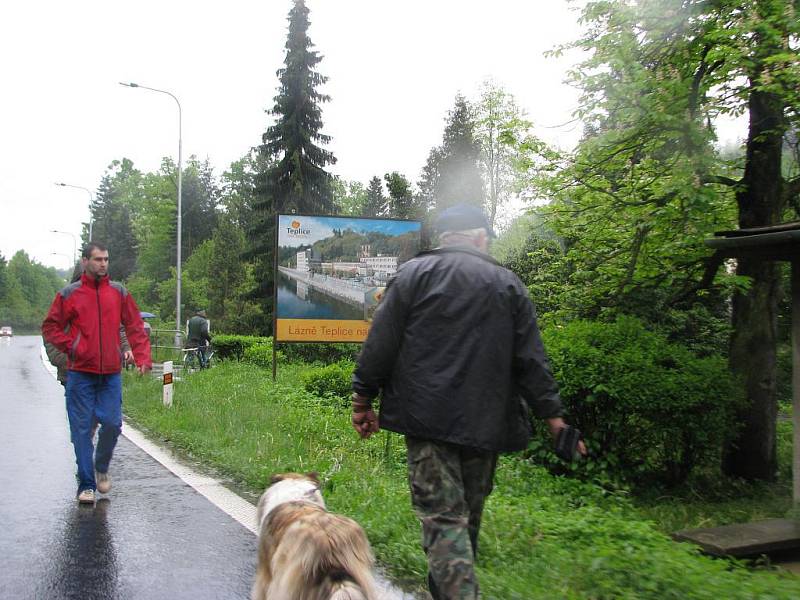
<point>567,443</point>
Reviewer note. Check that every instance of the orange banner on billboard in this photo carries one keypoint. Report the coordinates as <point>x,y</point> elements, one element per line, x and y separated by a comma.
<point>321,330</point>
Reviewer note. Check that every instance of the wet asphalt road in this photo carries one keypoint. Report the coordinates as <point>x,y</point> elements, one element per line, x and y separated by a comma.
<point>152,536</point>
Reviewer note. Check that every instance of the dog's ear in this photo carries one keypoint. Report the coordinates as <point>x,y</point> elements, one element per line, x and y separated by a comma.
<point>313,476</point>
<point>277,477</point>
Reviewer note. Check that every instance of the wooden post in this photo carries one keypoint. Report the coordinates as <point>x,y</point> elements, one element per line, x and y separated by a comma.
<point>274,359</point>
<point>796,382</point>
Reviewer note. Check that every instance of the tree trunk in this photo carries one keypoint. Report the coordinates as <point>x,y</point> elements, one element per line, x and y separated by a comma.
<point>752,454</point>
<point>752,358</point>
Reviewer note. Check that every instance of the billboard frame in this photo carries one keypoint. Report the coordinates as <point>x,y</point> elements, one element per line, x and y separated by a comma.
<point>275,273</point>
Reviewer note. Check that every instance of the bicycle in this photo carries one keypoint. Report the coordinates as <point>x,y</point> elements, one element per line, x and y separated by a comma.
<point>191,358</point>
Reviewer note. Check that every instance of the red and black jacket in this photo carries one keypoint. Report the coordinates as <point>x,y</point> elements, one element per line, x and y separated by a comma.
<point>94,309</point>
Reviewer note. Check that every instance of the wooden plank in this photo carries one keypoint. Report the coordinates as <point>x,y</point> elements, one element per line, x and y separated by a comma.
<point>756,230</point>
<point>746,539</point>
<point>782,239</point>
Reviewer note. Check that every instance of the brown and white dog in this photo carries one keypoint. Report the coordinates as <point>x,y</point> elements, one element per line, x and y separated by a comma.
<point>306,552</point>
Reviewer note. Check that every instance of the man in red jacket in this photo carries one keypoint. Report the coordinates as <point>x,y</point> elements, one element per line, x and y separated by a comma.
<point>84,323</point>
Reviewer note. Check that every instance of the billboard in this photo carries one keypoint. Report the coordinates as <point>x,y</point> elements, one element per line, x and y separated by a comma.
<point>331,272</point>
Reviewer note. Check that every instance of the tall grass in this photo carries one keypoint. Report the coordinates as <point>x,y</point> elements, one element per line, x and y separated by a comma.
<point>542,536</point>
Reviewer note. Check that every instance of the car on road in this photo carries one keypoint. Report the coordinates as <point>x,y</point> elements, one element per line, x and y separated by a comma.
<point>6,331</point>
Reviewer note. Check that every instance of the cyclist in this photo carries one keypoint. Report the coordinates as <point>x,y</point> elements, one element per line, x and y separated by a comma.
<point>199,337</point>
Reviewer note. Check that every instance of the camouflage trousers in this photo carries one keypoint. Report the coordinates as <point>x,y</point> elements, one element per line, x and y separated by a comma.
<point>449,485</point>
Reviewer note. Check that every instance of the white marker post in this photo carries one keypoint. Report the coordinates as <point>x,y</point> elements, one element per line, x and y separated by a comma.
<point>168,383</point>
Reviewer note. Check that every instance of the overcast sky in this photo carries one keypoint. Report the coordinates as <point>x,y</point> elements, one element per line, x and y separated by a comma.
<point>394,69</point>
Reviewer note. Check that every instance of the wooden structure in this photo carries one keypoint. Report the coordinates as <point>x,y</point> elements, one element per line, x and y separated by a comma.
<point>776,243</point>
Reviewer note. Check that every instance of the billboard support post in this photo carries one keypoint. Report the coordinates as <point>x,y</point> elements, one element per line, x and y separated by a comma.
<point>274,359</point>
<point>275,302</point>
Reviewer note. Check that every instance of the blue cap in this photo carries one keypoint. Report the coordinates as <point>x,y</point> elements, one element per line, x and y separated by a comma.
<point>461,217</point>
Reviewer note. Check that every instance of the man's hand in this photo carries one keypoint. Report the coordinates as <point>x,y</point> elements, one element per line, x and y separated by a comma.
<point>128,357</point>
<point>143,369</point>
<point>555,425</point>
<point>365,423</point>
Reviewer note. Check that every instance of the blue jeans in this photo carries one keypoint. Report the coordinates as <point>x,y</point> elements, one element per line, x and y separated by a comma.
<point>93,398</point>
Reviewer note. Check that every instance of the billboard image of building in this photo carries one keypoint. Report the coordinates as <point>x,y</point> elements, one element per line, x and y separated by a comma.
<point>331,272</point>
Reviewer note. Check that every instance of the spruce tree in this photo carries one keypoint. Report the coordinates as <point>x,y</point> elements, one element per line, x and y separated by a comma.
<point>296,180</point>
<point>452,174</point>
<point>375,205</point>
<point>113,225</point>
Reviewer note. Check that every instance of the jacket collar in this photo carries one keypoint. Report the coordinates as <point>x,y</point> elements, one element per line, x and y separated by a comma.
<point>461,249</point>
<point>90,281</point>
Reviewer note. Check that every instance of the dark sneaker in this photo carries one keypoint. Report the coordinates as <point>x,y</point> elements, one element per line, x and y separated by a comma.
<point>103,481</point>
<point>86,497</point>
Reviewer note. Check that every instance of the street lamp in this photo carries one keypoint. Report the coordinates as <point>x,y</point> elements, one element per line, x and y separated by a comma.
<point>91,200</point>
<point>74,243</point>
<point>180,169</point>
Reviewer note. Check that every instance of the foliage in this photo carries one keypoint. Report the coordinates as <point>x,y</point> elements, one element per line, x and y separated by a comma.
<point>538,258</point>
<point>650,410</point>
<point>333,382</point>
<point>646,185</point>
<point>401,204</point>
<point>500,128</point>
<point>349,197</point>
<point>542,537</point>
<point>260,354</point>
<point>452,173</point>
<point>234,346</point>
<point>375,204</point>
<point>226,274</point>
<point>113,223</point>
<point>199,199</point>
<point>320,353</point>
<point>27,289</point>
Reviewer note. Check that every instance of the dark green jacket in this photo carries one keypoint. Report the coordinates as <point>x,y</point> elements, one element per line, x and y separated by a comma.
<point>198,331</point>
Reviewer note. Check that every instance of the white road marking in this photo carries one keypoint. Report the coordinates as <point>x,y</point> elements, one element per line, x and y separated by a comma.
<point>220,496</point>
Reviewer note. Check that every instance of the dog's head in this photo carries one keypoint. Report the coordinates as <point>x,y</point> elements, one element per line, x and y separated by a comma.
<point>290,487</point>
<point>312,476</point>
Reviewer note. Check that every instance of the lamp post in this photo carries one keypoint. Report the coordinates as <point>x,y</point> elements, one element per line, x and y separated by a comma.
<point>180,169</point>
<point>74,243</point>
<point>91,199</point>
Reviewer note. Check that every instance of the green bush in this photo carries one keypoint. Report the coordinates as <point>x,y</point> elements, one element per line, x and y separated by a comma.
<point>320,353</point>
<point>261,354</point>
<point>234,346</point>
<point>331,382</point>
<point>650,410</point>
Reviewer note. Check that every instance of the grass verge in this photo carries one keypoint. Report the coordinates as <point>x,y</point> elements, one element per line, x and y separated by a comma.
<point>542,536</point>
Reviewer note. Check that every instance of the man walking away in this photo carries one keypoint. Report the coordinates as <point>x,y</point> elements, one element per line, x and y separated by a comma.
<point>84,323</point>
<point>199,336</point>
<point>453,345</point>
